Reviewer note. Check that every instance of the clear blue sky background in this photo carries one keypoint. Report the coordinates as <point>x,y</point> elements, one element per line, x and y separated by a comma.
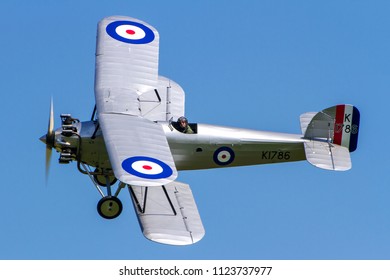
<point>252,64</point>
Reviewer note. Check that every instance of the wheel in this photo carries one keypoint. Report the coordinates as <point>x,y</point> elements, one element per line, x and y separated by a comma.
<point>101,180</point>
<point>109,207</point>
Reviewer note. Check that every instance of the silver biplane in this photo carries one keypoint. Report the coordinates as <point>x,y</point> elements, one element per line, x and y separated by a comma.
<point>134,139</point>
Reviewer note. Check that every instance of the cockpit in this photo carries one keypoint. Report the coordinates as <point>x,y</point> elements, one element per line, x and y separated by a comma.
<point>182,125</point>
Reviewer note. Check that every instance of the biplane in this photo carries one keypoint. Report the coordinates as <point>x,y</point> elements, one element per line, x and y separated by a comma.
<point>135,138</point>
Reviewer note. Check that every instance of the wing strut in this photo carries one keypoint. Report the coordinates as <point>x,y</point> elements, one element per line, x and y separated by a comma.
<point>93,113</point>
<point>169,200</point>
<point>143,209</point>
<point>136,202</point>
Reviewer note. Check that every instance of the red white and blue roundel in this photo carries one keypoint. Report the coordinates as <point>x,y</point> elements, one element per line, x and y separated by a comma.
<point>223,156</point>
<point>130,32</point>
<point>147,167</point>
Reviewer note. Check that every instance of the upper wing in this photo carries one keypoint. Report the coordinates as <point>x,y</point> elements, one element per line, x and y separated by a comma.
<point>126,63</point>
<point>126,74</point>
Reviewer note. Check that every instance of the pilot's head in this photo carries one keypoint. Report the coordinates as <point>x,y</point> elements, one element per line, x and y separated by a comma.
<point>182,121</point>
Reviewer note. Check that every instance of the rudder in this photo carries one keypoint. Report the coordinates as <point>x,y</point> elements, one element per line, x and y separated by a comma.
<point>346,128</point>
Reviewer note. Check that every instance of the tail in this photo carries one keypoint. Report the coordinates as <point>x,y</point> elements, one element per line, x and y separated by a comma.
<point>332,134</point>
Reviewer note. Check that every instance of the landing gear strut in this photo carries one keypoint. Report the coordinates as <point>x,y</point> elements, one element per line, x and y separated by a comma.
<point>101,180</point>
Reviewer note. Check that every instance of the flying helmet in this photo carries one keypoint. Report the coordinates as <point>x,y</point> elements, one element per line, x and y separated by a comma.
<point>182,119</point>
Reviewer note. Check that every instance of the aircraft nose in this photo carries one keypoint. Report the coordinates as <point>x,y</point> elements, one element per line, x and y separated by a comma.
<point>43,138</point>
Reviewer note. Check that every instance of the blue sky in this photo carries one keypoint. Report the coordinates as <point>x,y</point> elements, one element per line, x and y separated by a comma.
<point>252,64</point>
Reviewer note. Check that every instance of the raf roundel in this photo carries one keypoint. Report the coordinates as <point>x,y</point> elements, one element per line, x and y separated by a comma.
<point>223,156</point>
<point>147,167</point>
<point>130,32</point>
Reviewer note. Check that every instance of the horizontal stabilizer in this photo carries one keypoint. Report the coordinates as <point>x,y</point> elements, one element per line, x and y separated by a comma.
<point>168,214</point>
<point>328,156</point>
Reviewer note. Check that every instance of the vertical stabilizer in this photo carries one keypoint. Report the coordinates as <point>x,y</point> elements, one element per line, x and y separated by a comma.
<point>332,134</point>
<point>338,124</point>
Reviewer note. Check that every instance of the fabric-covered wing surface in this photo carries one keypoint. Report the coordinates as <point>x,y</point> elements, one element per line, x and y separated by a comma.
<point>126,63</point>
<point>126,74</point>
<point>138,150</point>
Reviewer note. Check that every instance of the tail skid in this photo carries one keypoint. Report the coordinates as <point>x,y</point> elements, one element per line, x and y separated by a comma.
<point>332,134</point>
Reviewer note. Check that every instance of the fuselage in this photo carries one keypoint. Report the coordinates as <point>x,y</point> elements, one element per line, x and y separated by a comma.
<point>210,147</point>
<point>218,146</point>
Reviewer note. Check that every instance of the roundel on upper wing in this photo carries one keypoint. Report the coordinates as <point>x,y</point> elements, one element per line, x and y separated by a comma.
<point>130,32</point>
<point>224,156</point>
<point>147,167</point>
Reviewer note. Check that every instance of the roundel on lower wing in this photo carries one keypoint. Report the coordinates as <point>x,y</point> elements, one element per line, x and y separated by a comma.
<point>223,156</point>
<point>130,32</point>
<point>147,167</point>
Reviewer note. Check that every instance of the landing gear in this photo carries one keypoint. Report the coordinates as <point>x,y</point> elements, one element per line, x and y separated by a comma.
<point>109,207</point>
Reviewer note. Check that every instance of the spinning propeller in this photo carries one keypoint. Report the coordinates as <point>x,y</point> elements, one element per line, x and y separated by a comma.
<point>49,139</point>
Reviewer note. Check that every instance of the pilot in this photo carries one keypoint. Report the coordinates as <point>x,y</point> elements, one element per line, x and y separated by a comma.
<point>184,126</point>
